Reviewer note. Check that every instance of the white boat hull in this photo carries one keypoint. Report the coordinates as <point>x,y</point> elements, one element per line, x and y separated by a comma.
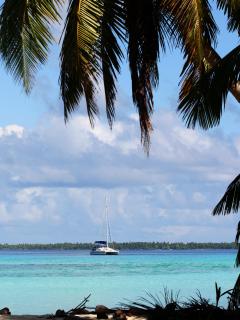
<point>103,251</point>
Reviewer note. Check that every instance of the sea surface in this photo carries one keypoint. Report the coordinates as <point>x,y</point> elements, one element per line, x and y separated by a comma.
<point>39,282</point>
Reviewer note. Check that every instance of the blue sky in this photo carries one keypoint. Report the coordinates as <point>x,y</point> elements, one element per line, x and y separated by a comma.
<point>54,177</point>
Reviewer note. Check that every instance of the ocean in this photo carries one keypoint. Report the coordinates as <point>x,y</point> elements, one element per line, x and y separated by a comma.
<point>40,282</point>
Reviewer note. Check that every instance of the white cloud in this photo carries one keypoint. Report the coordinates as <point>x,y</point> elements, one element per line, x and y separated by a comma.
<point>10,130</point>
<point>26,195</point>
<point>57,175</point>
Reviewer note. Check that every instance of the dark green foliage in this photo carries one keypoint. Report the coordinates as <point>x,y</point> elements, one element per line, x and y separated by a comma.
<point>234,301</point>
<point>147,24</point>
<point>122,246</point>
<point>232,9</point>
<point>25,36</point>
<point>204,103</point>
<point>111,29</point>
<point>230,200</point>
<point>197,31</point>
<point>79,67</point>
<point>152,303</point>
<point>230,203</point>
<point>91,53</point>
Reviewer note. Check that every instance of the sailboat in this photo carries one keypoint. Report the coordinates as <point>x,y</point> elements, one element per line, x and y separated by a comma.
<point>102,247</point>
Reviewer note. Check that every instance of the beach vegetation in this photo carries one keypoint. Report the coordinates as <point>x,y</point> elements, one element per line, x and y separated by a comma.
<point>168,305</point>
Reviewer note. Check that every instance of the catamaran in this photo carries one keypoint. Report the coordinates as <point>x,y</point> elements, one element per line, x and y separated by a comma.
<point>102,247</point>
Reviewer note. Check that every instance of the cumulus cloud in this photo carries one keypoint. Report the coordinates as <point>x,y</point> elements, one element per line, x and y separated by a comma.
<point>54,178</point>
<point>10,130</point>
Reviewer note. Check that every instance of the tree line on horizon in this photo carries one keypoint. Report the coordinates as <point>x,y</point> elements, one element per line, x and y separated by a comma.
<point>121,246</point>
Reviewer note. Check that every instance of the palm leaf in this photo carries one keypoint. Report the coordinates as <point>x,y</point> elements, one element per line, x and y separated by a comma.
<point>112,26</point>
<point>230,200</point>
<point>147,24</point>
<point>232,10</point>
<point>196,31</point>
<point>234,301</point>
<point>197,35</point>
<point>211,59</point>
<point>205,101</point>
<point>237,262</point>
<point>230,203</point>
<point>238,233</point>
<point>25,36</point>
<point>80,67</point>
<point>196,28</point>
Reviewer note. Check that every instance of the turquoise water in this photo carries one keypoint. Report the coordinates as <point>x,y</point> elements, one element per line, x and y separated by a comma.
<point>38,282</point>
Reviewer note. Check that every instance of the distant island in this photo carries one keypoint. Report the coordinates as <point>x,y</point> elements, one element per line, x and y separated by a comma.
<point>121,246</point>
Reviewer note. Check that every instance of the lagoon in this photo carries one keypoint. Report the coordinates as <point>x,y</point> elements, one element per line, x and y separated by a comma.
<point>39,282</point>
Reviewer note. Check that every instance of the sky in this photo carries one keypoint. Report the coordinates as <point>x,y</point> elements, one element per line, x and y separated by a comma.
<point>54,176</point>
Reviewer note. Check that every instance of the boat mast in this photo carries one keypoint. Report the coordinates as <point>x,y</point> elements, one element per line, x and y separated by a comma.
<point>106,217</point>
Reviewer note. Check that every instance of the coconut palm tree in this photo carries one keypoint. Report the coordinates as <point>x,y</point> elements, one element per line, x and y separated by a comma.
<point>204,100</point>
<point>98,34</point>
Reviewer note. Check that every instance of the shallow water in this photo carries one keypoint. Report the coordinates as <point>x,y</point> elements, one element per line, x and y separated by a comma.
<point>40,282</point>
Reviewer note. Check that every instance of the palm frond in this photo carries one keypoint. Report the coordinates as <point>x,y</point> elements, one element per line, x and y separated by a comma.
<point>196,28</point>
<point>80,66</point>
<point>234,301</point>
<point>154,303</point>
<point>230,200</point>
<point>230,203</point>
<point>112,28</point>
<point>198,302</point>
<point>210,60</point>
<point>238,233</point>
<point>205,101</point>
<point>197,32</point>
<point>232,10</point>
<point>25,36</point>
<point>147,25</point>
<point>237,262</point>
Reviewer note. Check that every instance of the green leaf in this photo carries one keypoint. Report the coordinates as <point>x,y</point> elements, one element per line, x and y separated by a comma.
<point>195,26</point>
<point>234,301</point>
<point>147,24</point>
<point>25,36</point>
<point>205,101</point>
<point>230,200</point>
<point>232,10</point>
<point>111,29</point>
<point>80,67</point>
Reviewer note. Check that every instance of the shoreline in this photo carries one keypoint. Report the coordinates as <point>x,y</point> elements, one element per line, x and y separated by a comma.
<point>165,246</point>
